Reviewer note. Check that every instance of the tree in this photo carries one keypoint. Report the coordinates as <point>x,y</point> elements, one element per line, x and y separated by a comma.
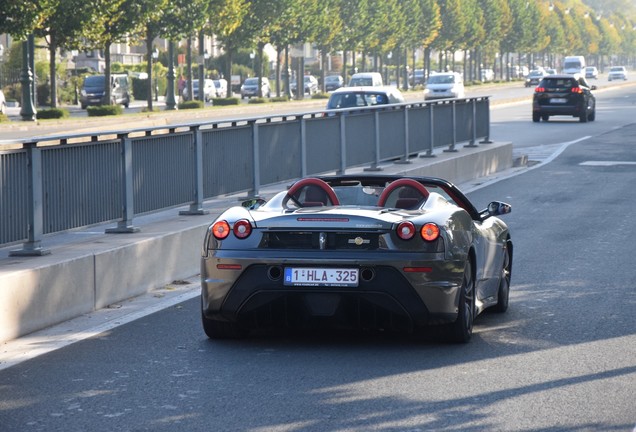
<point>452,31</point>
<point>61,32</point>
<point>114,21</point>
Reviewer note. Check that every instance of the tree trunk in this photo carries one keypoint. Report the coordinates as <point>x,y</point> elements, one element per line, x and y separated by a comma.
<point>149,69</point>
<point>52,64</point>
<point>107,86</point>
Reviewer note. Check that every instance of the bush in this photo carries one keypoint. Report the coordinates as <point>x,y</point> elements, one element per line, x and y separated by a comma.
<point>52,113</point>
<point>280,99</point>
<point>3,118</point>
<point>193,104</point>
<point>104,110</point>
<point>320,96</point>
<point>225,101</point>
<point>257,100</point>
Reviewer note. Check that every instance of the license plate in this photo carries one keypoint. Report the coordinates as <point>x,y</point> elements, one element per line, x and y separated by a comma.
<point>313,276</point>
<point>558,100</point>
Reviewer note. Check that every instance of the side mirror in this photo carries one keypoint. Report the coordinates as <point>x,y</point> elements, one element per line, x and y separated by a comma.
<point>497,208</point>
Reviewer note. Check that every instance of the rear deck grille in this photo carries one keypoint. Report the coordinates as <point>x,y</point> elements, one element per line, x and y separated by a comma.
<point>312,240</point>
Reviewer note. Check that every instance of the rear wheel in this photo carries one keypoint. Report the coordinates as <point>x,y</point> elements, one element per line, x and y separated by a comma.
<point>536,117</point>
<point>503,294</point>
<point>545,117</point>
<point>462,329</point>
<point>592,116</point>
<point>583,117</point>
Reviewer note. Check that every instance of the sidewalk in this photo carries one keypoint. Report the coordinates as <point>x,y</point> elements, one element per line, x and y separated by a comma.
<point>88,270</point>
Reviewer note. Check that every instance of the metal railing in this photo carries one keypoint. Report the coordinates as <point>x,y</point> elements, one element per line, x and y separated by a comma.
<point>58,183</point>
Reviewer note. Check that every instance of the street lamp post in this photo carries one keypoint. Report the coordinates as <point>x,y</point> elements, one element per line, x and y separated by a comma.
<point>171,103</point>
<point>27,112</point>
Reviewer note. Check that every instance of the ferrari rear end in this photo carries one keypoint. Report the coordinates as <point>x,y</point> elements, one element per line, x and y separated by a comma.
<point>338,267</point>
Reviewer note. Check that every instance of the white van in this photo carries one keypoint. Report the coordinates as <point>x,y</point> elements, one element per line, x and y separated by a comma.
<point>366,79</point>
<point>574,65</point>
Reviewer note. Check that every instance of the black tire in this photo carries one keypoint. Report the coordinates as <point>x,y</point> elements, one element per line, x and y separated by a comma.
<point>536,117</point>
<point>545,117</point>
<point>592,116</point>
<point>583,117</point>
<point>222,329</point>
<point>462,329</point>
<point>503,294</point>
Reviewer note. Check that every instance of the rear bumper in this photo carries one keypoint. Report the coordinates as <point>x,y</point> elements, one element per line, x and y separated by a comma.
<point>386,295</point>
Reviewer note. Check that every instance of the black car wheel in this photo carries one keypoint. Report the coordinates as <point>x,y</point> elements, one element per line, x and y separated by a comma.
<point>545,117</point>
<point>222,329</point>
<point>583,117</point>
<point>592,116</point>
<point>503,294</point>
<point>462,329</point>
<point>536,117</point>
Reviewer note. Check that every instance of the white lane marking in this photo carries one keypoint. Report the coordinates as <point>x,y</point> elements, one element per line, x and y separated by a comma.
<point>35,344</point>
<point>606,163</point>
<point>554,150</point>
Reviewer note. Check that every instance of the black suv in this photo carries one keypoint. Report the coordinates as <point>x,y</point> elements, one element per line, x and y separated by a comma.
<point>564,94</point>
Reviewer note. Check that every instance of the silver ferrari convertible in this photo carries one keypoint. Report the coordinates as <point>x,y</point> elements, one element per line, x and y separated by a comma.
<point>392,253</point>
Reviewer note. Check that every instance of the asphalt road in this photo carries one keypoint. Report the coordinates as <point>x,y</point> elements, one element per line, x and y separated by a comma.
<point>563,358</point>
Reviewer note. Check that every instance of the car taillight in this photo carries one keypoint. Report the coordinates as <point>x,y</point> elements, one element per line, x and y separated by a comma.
<point>539,89</point>
<point>221,230</point>
<point>406,230</point>
<point>577,90</point>
<point>242,228</point>
<point>429,232</point>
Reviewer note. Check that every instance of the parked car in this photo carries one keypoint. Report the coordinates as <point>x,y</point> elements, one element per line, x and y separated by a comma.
<point>591,72</point>
<point>487,75</point>
<point>310,84</point>
<point>356,251</point>
<point>351,97</point>
<point>418,77</point>
<point>333,82</point>
<point>93,91</point>
<point>564,94</point>
<point>550,71</point>
<point>3,103</point>
<point>444,85</point>
<point>250,88</point>
<point>534,77</point>
<point>220,86</point>
<point>617,72</point>
<point>209,90</point>
<point>373,79</point>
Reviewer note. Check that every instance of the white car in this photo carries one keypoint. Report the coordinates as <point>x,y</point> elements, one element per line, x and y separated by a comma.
<point>3,103</point>
<point>209,90</point>
<point>617,72</point>
<point>221,87</point>
<point>445,85</point>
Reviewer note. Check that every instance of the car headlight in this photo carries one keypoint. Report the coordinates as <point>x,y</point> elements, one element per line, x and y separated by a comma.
<point>83,92</point>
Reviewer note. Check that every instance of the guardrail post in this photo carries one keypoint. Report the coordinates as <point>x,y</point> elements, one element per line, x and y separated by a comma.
<point>196,207</point>
<point>405,159</point>
<point>125,226</point>
<point>431,118</point>
<point>303,147</point>
<point>256,181</point>
<point>35,227</point>
<point>376,127</point>
<point>486,139</point>
<point>451,148</point>
<point>473,138</point>
<point>343,145</point>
